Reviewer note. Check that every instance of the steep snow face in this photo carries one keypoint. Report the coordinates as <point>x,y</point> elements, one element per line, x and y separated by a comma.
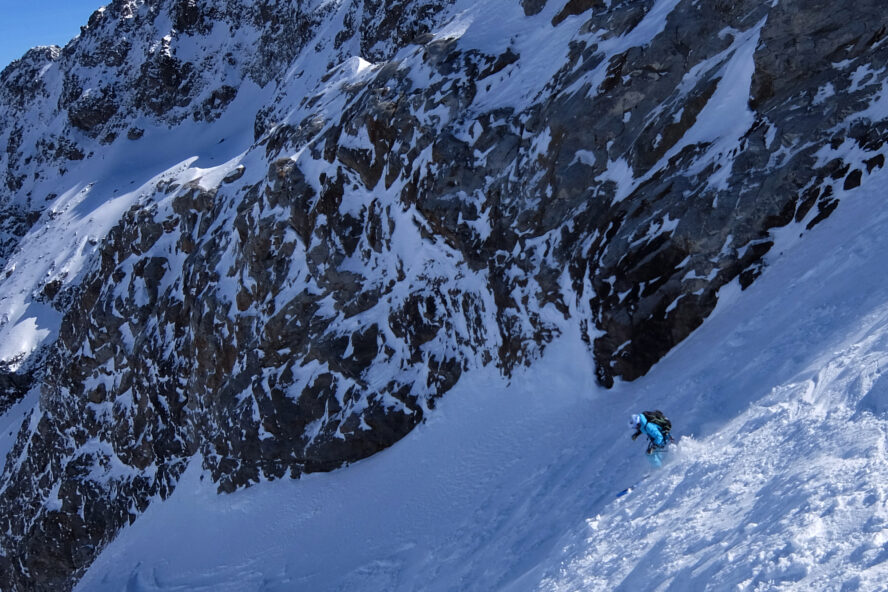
<point>777,483</point>
<point>273,235</point>
<point>784,485</point>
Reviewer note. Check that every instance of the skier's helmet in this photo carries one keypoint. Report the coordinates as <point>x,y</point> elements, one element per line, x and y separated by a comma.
<point>634,421</point>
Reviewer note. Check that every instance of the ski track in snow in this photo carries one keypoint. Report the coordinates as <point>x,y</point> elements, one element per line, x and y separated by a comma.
<point>778,483</point>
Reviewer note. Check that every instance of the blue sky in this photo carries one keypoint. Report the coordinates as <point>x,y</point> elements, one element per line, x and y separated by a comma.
<point>27,23</point>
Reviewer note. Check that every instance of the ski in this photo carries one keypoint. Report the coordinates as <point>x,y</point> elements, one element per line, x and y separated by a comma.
<point>629,489</point>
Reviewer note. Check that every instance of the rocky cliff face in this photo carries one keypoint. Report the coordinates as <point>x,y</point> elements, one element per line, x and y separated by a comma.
<point>270,235</point>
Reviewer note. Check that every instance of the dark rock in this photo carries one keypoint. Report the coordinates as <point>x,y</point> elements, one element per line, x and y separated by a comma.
<point>876,162</point>
<point>165,83</point>
<point>573,8</point>
<point>234,175</point>
<point>219,99</point>
<point>187,15</point>
<point>853,179</point>
<point>532,7</point>
<point>14,386</point>
<point>93,110</point>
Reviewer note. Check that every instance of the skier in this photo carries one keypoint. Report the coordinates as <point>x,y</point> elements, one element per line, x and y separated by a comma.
<point>656,427</point>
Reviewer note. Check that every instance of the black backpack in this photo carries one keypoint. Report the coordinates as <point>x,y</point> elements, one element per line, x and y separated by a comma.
<point>657,418</point>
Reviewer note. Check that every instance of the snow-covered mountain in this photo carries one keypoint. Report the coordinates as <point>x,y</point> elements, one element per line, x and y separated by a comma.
<point>778,482</point>
<point>256,240</point>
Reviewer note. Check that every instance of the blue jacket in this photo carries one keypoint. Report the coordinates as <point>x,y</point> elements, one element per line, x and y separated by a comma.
<point>652,431</point>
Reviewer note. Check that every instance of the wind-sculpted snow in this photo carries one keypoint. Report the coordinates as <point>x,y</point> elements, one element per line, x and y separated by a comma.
<point>275,234</point>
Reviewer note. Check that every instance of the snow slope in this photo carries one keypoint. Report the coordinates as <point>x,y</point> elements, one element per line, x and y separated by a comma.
<point>778,483</point>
